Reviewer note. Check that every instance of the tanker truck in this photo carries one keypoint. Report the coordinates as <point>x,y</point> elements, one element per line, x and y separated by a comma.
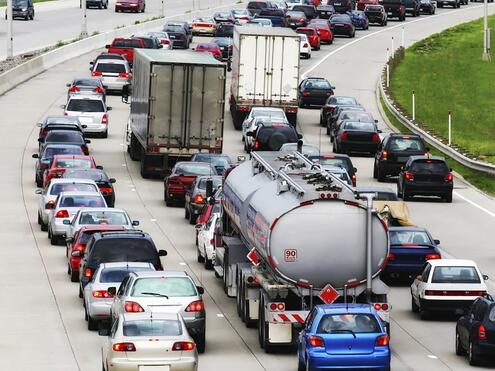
<point>293,236</point>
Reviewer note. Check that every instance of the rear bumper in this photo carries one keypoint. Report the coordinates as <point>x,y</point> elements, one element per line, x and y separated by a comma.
<point>390,167</point>
<point>446,305</point>
<point>99,309</point>
<point>428,189</point>
<point>95,128</point>
<point>379,360</point>
<point>121,364</point>
<point>114,83</point>
<point>403,268</point>
<point>317,101</point>
<point>350,146</point>
<point>485,348</point>
<point>58,228</point>
<point>179,43</point>
<point>124,8</point>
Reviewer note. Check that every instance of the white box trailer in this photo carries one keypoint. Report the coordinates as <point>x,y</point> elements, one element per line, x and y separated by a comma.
<point>265,71</point>
<point>177,107</point>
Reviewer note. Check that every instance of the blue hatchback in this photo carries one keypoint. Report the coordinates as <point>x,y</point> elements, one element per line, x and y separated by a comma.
<point>359,19</point>
<point>340,336</point>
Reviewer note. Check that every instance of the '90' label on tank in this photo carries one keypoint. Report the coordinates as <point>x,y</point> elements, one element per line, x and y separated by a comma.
<point>290,255</point>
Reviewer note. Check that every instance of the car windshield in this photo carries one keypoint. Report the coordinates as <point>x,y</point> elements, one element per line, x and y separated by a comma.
<point>110,67</point>
<point>85,105</point>
<point>318,84</point>
<point>263,113</point>
<point>348,322</point>
<point>194,169</point>
<point>429,166</point>
<point>455,275</point>
<point>152,327</point>
<point>20,3</point>
<point>117,274</point>
<point>240,12</point>
<point>126,43</point>
<point>96,175</point>
<point>62,120</point>
<point>256,5</point>
<point>82,201</point>
<point>129,249</point>
<point>406,144</point>
<point>222,15</point>
<point>169,286</point>
<point>365,126</point>
<point>216,183</point>
<point>373,8</point>
<point>72,187</point>
<point>412,238</point>
<point>74,163</point>
<point>52,151</point>
<point>103,217</point>
<point>64,136</point>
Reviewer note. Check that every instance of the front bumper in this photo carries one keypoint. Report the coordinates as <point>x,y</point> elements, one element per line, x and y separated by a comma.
<point>123,364</point>
<point>320,360</point>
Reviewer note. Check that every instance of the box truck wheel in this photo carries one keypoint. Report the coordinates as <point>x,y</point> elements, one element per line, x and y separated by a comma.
<point>144,173</point>
<point>135,148</point>
<point>237,118</point>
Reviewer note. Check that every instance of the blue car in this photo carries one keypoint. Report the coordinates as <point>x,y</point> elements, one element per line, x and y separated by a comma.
<point>410,248</point>
<point>359,19</point>
<point>340,336</point>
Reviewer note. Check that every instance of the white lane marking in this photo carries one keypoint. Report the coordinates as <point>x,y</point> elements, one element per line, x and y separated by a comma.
<point>402,24</point>
<point>182,263</point>
<point>153,220</point>
<point>432,356</point>
<point>220,315</point>
<point>124,165</point>
<point>492,214</point>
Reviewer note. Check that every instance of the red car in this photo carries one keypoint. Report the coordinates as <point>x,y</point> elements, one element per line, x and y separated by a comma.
<point>210,48</point>
<point>312,34</point>
<point>323,29</point>
<point>125,47</point>
<point>62,162</point>
<point>136,6</point>
<point>361,4</point>
<point>181,177</point>
<point>77,245</point>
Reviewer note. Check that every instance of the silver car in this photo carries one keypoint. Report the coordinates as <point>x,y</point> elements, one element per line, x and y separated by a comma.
<point>66,206</point>
<point>148,342</point>
<point>47,196</point>
<point>99,216</point>
<point>113,73</point>
<point>97,300</point>
<point>307,149</point>
<point>163,292</point>
<point>92,112</point>
<point>252,126</point>
<point>340,172</point>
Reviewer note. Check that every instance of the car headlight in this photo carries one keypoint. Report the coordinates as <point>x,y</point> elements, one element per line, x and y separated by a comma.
<point>23,10</point>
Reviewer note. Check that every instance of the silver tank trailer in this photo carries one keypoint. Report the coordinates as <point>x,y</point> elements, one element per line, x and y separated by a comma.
<point>304,239</point>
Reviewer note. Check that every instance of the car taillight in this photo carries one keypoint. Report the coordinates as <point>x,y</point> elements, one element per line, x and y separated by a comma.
<point>85,149</point>
<point>62,214</point>
<point>50,204</point>
<point>183,346</point>
<point>277,307</point>
<point>196,306</point>
<point>104,119</point>
<point>381,306</point>
<point>432,256</point>
<point>305,93</point>
<point>383,155</point>
<point>106,190</point>
<point>301,20</point>
<point>65,114</point>
<point>79,247</point>
<point>382,341</point>
<point>482,333</point>
<point>73,89</point>
<point>402,8</point>
<point>133,307</point>
<point>256,144</point>
<point>354,178</point>
<point>199,199</point>
<point>449,177</point>
<point>343,136</point>
<point>103,294</point>
<point>409,176</point>
<point>88,273</point>
<point>124,74</point>
<point>96,73</point>
<point>376,138</point>
<point>391,256</point>
<point>123,347</point>
<point>316,342</point>
<point>164,42</point>
<point>305,45</point>
<point>98,90</point>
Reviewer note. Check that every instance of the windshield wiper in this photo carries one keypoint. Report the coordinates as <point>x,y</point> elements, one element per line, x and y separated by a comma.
<point>154,294</point>
<point>342,330</point>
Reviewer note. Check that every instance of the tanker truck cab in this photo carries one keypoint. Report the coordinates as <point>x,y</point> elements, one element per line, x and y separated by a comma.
<point>277,259</point>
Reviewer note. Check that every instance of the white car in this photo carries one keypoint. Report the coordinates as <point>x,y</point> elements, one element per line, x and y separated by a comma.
<point>148,341</point>
<point>66,206</point>
<point>309,150</point>
<point>447,285</point>
<point>101,215</point>
<point>270,112</point>
<point>91,111</point>
<point>162,37</point>
<point>97,300</point>
<point>113,73</point>
<point>259,22</point>
<point>292,3</point>
<point>305,48</point>
<point>206,246</point>
<point>252,126</point>
<point>48,195</point>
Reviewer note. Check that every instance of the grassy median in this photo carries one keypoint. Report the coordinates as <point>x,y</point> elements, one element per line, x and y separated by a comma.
<point>448,74</point>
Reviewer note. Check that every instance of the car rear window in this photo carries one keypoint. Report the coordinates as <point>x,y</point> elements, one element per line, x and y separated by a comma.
<point>52,151</point>
<point>256,5</point>
<point>173,28</point>
<point>429,166</point>
<point>84,237</point>
<point>74,164</point>
<point>148,42</point>
<point>348,322</point>
<point>344,100</point>
<point>455,275</point>
<point>103,217</point>
<point>406,144</point>
<point>126,43</point>
<point>412,238</point>
<point>216,183</point>
<point>152,327</point>
<point>110,67</point>
<point>318,84</point>
<point>340,18</point>
<point>307,31</point>
<point>62,120</point>
<point>214,160</point>
<point>169,286</point>
<point>98,176</point>
<point>64,136</point>
<point>85,105</point>
<point>124,249</point>
<point>356,115</point>
<point>194,169</point>
<point>82,201</point>
<point>71,187</point>
<point>267,113</point>
<point>86,82</point>
<point>266,132</point>
<point>117,274</point>
<point>367,126</point>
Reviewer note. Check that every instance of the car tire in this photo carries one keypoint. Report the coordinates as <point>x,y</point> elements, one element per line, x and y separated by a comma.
<point>167,200</point>
<point>375,172</point>
<point>74,276</point>
<point>414,306</point>
<point>472,355</point>
<point>186,213</point>
<point>199,258</point>
<point>459,350</point>
<point>335,148</point>
<point>448,197</point>
<point>105,134</point>
<point>53,239</point>
<point>80,292</point>
<point>39,219</point>
<point>380,176</point>
<point>353,35</point>
<point>43,226</point>
<point>208,263</point>
<point>201,343</point>
<point>92,324</point>
<point>423,314</point>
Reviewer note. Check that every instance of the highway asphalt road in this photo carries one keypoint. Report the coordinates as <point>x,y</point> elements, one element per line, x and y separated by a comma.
<point>42,319</point>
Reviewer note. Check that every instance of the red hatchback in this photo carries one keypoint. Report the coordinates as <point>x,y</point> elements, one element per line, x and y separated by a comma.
<point>312,34</point>
<point>181,177</point>
<point>61,163</point>
<point>77,245</point>
<point>136,6</point>
<point>323,29</point>
<point>210,48</point>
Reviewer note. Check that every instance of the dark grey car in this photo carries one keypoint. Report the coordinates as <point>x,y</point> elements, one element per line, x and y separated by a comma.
<point>22,9</point>
<point>196,199</point>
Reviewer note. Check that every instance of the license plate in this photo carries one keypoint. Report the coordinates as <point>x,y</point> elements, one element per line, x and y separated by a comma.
<point>171,36</point>
<point>337,4</point>
<point>339,25</point>
<point>389,13</point>
<point>85,120</point>
<point>402,159</point>
<point>154,368</point>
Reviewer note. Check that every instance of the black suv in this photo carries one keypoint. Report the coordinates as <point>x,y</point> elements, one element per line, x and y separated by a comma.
<point>271,136</point>
<point>376,14</point>
<point>308,10</point>
<point>412,7</point>
<point>475,331</point>
<point>425,176</point>
<point>393,153</point>
<point>395,8</point>
<point>107,247</point>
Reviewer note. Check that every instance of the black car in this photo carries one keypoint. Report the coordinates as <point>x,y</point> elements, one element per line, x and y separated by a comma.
<point>296,19</point>
<point>226,45</point>
<point>332,103</point>
<point>223,17</point>
<point>412,7</point>
<point>337,160</point>
<point>325,11</point>
<point>66,137</point>
<point>178,36</point>
<point>225,30</point>
<point>342,6</point>
<point>356,136</point>
<point>219,160</point>
<point>277,16</point>
<point>22,9</point>
<point>104,183</point>
<point>45,158</point>
<point>427,6</point>
<point>353,115</point>
<point>341,25</point>
<point>255,7</point>
<point>334,116</point>
<point>394,152</point>
<point>395,8</point>
<point>185,25</point>
<point>309,10</point>
<point>271,136</point>
<point>314,91</point>
<point>376,14</point>
<point>425,176</point>
<point>108,247</point>
<point>475,331</point>
<point>150,42</point>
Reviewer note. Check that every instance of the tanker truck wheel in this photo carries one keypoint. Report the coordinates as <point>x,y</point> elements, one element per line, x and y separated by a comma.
<point>265,344</point>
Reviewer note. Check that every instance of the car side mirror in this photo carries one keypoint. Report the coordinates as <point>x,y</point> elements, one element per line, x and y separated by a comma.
<point>103,331</point>
<point>66,222</point>
<point>112,290</point>
<point>50,206</point>
<point>107,46</point>
<point>109,108</point>
<point>198,227</point>
<point>241,158</point>
<point>376,121</point>
<point>299,136</point>
<point>419,278</point>
<point>437,242</point>
<point>135,223</point>
<point>332,87</point>
<point>112,180</point>
<point>39,124</point>
<point>62,106</point>
<point>160,46</point>
<point>69,239</point>
<point>201,290</point>
<point>355,169</point>
<point>379,131</point>
<point>427,149</point>
<point>35,155</point>
<point>68,85</point>
<point>87,141</point>
<point>84,126</point>
<point>91,63</point>
<point>485,277</point>
<point>250,134</point>
<point>450,169</point>
<point>76,254</point>
<point>162,253</point>
<point>99,167</point>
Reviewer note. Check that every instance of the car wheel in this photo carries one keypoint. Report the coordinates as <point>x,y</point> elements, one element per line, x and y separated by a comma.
<point>80,292</point>
<point>186,212</point>
<point>200,259</point>
<point>201,343</point>
<point>380,176</point>
<point>208,263</point>
<point>423,314</point>
<point>414,306</point>
<point>336,148</point>
<point>92,324</point>
<point>472,355</point>
<point>375,173</point>
<point>459,350</point>
<point>53,239</point>
<point>39,219</point>
<point>105,134</point>
<point>192,218</point>
<point>448,197</point>
<point>74,276</point>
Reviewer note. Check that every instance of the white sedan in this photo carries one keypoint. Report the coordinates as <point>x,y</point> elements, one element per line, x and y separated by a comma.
<point>206,246</point>
<point>447,285</point>
<point>305,48</point>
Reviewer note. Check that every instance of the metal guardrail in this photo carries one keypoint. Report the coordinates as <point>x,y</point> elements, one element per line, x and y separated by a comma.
<point>432,140</point>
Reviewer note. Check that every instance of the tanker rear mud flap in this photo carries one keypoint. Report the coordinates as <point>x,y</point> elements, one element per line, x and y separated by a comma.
<point>280,333</point>
<point>254,310</point>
